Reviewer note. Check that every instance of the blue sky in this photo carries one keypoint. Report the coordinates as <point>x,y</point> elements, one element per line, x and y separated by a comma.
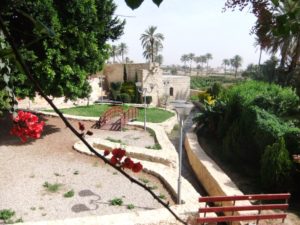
<point>196,26</point>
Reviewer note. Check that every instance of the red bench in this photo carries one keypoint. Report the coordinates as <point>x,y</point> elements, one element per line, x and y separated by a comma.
<point>231,211</point>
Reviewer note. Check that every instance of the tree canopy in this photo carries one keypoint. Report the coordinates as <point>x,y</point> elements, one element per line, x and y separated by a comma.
<point>62,42</point>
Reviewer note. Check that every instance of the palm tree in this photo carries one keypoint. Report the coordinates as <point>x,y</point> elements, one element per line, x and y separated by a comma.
<point>159,59</point>
<point>123,50</point>
<point>273,38</point>
<point>203,60</point>
<point>208,57</point>
<point>114,52</point>
<point>226,62</point>
<point>197,60</point>
<point>184,58</point>
<point>191,57</point>
<point>151,42</point>
<point>236,62</point>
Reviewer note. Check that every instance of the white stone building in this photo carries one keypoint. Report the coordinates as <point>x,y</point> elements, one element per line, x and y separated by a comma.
<point>160,87</point>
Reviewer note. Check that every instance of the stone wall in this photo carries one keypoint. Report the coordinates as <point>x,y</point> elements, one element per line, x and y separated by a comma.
<point>152,79</point>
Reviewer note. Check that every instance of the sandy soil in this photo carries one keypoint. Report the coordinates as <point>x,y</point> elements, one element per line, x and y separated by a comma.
<point>24,168</point>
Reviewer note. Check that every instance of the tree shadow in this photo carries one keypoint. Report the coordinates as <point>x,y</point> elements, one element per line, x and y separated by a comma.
<point>7,139</point>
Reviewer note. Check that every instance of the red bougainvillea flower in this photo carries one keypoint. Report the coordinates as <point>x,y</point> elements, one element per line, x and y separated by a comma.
<point>81,126</point>
<point>128,163</point>
<point>26,125</point>
<point>114,160</point>
<point>137,167</point>
<point>106,152</point>
<point>119,153</point>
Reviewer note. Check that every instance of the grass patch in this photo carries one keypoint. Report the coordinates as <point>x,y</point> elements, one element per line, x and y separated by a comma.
<point>116,201</point>
<point>130,206</point>
<point>154,115</point>
<point>144,180</point>
<point>114,140</point>
<point>156,146</point>
<point>153,187</point>
<point>162,196</point>
<point>69,194</point>
<point>52,187</point>
<point>6,214</point>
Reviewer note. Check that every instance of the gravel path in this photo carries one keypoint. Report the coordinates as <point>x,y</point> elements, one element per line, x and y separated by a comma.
<point>26,167</point>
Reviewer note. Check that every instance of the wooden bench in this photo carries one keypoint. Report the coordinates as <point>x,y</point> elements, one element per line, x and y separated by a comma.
<point>232,211</point>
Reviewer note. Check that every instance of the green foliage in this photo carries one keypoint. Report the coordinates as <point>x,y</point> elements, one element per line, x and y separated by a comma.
<point>115,89</point>
<point>156,146</point>
<point>148,100</point>
<point>6,214</point>
<point>52,187</point>
<point>69,194</point>
<point>133,4</point>
<point>124,97</point>
<point>130,206</point>
<point>61,63</point>
<point>129,88</point>
<point>276,167</point>
<point>247,118</point>
<point>116,201</point>
<point>271,97</point>
<point>206,82</point>
<point>215,90</point>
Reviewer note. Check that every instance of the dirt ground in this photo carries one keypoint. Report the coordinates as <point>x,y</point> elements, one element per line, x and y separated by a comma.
<point>26,167</point>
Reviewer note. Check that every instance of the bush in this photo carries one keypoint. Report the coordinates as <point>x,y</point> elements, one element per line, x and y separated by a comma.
<point>115,88</point>
<point>130,89</point>
<point>148,100</point>
<point>124,97</point>
<point>271,97</point>
<point>276,167</point>
<point>215,89</point>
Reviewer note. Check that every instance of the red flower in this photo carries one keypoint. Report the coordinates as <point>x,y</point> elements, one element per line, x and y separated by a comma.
<point>106,152</point>
<point>137,167</point>
<point>114,160</point>
<point>118,153</point>
<point>128,163</point>
<point>26,125</point>
<point>81,126</point>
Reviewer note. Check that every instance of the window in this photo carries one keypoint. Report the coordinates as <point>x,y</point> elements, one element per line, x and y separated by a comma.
<point>171,91</point>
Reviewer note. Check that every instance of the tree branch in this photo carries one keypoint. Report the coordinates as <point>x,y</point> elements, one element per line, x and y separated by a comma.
<point>75,132</point>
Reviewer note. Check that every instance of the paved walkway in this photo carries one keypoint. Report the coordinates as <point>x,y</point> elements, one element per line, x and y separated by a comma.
<point>187,171</point>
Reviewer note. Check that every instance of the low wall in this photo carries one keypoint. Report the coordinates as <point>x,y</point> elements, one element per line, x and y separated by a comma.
<point>209,174</point>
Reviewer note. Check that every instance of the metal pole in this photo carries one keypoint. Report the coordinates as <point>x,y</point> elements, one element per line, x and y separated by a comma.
<point>180,160</point>
<point>145,117</point>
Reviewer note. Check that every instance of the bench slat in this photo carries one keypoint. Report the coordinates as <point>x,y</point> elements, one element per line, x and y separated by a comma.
<point>240,218</point>
<point>243,208</point>
<point>245,197</point>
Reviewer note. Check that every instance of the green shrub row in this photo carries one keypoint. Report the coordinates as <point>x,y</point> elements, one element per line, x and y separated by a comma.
<point>248,120</point>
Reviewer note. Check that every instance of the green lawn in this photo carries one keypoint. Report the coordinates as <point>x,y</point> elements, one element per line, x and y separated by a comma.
<point>154,115</point>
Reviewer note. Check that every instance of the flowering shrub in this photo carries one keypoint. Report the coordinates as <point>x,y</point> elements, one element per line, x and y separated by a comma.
<point>26,125</point>
<point>118,154</point>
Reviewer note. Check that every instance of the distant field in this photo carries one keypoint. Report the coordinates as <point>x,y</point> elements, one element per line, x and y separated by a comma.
<point>201,83</point>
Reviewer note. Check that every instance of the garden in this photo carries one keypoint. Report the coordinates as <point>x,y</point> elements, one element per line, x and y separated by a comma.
<point>253,128</point>
<point>66,183</point>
